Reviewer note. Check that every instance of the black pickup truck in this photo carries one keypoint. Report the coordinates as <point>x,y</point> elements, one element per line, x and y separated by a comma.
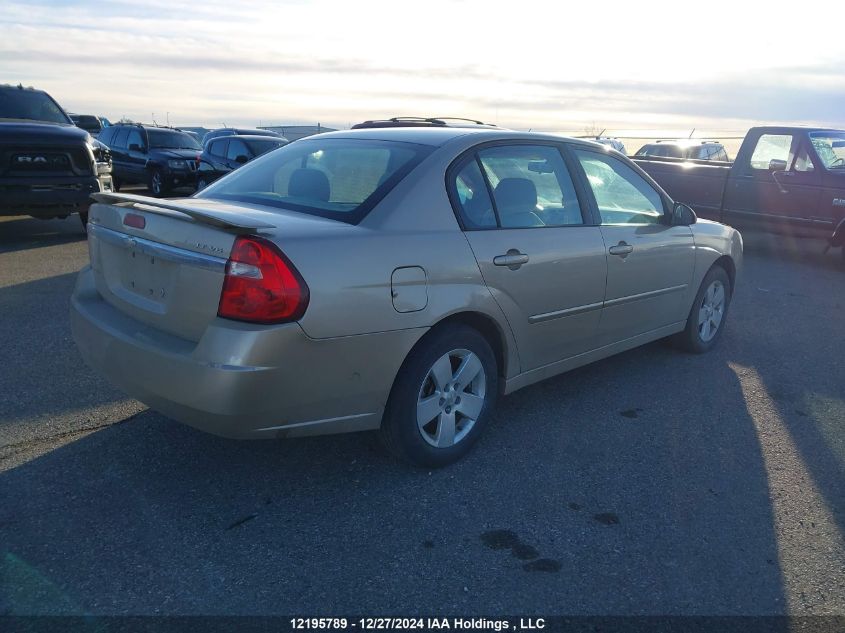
<point>787,179</point>
<point>48,166</point>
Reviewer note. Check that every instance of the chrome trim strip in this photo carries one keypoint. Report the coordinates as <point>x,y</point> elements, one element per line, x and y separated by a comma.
<point>155,249</point>
<point>313,422</point>
<point>644,295</point>
<point>548,316</point>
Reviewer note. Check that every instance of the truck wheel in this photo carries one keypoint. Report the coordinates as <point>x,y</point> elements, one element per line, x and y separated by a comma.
<point>706,320</point>
<point>442,398</point>
<point>156,184</point>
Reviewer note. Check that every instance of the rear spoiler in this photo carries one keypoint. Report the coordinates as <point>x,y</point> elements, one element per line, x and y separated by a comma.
<point>226,221</point>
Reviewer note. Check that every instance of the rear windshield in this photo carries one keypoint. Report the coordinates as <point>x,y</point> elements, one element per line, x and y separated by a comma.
<point>32,105</point>
<point>340,179</point>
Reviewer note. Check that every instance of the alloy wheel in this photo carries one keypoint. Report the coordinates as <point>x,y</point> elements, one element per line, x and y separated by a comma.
<point>451,398</point>
<point>711,311</point>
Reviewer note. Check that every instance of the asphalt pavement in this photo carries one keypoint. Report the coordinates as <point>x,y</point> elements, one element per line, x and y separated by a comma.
<point>654,482</point>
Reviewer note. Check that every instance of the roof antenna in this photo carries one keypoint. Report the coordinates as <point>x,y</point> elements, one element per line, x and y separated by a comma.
<point>691,133</point>
<point>601,133</point>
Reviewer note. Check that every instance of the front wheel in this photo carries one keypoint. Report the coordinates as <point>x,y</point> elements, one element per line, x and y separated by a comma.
<point>443,397</point>
<point>706,320</point>
<point>157,183</point>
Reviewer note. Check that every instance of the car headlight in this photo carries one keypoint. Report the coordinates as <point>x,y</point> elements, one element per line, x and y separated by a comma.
<point>177,163</point>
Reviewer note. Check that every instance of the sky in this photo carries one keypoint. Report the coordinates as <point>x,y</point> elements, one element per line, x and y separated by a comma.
<point>627,66</point>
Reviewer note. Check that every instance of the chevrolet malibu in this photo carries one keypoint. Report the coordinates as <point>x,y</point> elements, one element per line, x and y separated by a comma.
<point>394,279</point>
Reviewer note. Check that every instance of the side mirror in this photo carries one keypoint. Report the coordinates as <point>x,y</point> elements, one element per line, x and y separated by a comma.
<point>777,165</point>
<point>134,147</point>
<point>683,215</point>
<point>241,159</point>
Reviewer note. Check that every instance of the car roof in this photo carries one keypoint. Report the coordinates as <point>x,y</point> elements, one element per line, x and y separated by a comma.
<point>438,136</point>
<point>252,137</point>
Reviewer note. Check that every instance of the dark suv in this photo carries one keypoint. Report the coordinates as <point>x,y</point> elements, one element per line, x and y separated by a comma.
<point>163,158</point>
<point>48,167</point>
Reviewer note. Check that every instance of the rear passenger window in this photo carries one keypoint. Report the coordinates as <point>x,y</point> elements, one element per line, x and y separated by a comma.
<point>120,138</point>
<point>622,195</point>
<point>476,208</point>
<point>531,186</point>
<point>771,147</point>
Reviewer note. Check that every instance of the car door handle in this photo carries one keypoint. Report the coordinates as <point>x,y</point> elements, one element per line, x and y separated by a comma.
<point>622,249</point>
<point>513,259</point>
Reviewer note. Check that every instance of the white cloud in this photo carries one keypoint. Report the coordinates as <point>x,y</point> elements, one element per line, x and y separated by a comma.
<point>539,64</point>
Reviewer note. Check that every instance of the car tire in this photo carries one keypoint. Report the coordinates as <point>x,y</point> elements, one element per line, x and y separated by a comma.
<point>706,321</point>
<point>452,375</point>
<point>156,184</point>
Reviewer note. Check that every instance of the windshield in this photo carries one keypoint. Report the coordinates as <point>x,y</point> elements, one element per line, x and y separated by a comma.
<point>830,146</point>
<point>171,139</point>
<point>340,179</point>
<point>32,105</point>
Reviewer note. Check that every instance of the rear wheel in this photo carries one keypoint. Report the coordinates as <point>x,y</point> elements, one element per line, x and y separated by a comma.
<point>443,397</point>
<point>706,320</point>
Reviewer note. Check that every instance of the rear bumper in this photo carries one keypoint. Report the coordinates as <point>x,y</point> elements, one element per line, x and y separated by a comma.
<point>49,196</point>
<point>240,380</point>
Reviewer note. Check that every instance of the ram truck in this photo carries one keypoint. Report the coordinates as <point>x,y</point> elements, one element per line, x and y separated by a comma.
<point>48,167</point>
<point>785,179</point>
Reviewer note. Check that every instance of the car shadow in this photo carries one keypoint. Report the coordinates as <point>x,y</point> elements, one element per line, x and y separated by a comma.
<point>42,375</point>
<point>619,488</point>
<point>25,233</point>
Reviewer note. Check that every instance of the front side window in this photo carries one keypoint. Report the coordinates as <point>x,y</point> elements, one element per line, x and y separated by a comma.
<point>335,178</point>
<point>771,147</point>
<point>622,195</point>
<point>531,186</point>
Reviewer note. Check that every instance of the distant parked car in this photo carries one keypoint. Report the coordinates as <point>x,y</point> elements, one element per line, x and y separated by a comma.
<point>615,143</point>
<point>226,153</point>
<point>87,122</point>
<point>395,279</point>
<point>241,131</point>
<point>161,157</point>
<point>688,149</point>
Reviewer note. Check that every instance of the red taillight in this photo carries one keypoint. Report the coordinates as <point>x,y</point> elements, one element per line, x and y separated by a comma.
<point>261,285</point>
<point>134,220</point>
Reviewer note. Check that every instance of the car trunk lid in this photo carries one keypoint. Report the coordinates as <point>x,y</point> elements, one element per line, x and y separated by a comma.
<point>163,262</point>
